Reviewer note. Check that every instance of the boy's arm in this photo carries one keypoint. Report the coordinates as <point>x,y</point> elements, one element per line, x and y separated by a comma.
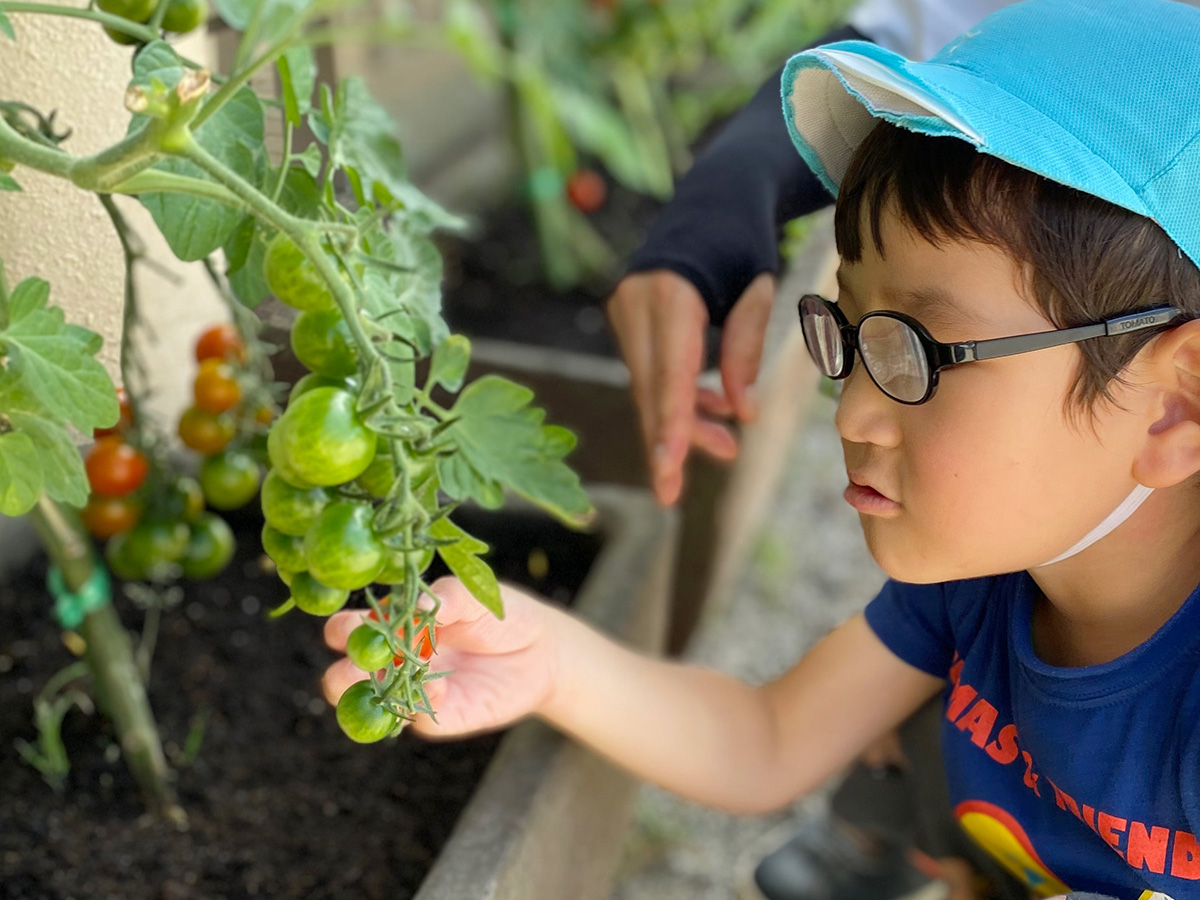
<point>716,740</point>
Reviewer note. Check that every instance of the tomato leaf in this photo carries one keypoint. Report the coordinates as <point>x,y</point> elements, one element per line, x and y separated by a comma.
<point>244,252</point>
<point>450,361</point>
<point>461,481</point>
<point>462,558</point>
<point>297,78</point>
<point>195,227</point>
<point>157,61</point>
<point>362,140</point>
<point>62,473</point>
<point>20,474</point>
<point>504,439</point>
<point>8,183</point>
<point>6,27</point>
<point>55,361</point>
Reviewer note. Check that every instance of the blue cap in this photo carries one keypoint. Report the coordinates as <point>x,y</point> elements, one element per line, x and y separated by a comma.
<point>1100,95</point>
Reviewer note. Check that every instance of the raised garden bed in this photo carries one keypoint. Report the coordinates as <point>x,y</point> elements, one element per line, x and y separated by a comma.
<point>280,804</point>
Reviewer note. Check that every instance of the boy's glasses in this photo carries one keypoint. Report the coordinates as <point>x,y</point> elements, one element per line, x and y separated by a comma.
<point>904,360</point>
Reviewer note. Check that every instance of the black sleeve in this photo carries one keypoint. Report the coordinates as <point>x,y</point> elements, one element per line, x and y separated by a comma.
<point>721,229</point>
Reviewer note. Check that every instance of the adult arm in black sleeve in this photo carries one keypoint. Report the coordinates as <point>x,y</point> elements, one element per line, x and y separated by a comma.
<point>721,229</point>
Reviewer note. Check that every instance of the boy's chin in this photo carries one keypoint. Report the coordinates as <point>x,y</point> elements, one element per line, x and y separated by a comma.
<point>912,565</point>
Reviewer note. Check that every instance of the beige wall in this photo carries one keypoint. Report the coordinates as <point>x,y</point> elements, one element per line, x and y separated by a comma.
<point>63,235</point>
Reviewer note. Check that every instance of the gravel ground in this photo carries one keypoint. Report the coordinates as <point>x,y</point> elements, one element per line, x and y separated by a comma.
<point>808,572</point>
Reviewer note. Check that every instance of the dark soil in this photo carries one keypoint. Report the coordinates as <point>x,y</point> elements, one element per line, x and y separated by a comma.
<point>495,286</point>
<point>280,803</point>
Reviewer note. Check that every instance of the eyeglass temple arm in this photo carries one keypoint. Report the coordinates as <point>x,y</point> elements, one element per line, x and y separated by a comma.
<point>969,351</point>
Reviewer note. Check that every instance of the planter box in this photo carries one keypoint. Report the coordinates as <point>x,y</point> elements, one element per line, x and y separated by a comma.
<point>549,818</point>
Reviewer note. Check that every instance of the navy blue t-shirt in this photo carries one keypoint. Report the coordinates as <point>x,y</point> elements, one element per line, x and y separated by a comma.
<point>1085,779</point>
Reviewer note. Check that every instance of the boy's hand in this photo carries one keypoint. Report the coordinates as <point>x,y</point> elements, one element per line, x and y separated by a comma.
<point>502,670</point>
<point>659,320</point>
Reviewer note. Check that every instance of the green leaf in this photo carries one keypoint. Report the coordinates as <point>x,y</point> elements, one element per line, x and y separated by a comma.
<point>8,183</point>
<point>402,366</point>
<point>157,61</point>
<point>461,481</point>
<point>265,20</point>
<point>297,78</point>
<point>415,290</point>
<point>311,159</point>
<point>361,139</point>
<point>20,474</point>
<point>195,227</point>
<point>61,466</point>
<point>55,361</point>
<point>462,558</point>
<point>6,27</point>
<point>423,214</point>
<point>246,252</point>
<point>300,195</point>
<point>450,361</point>
<point>504,439</point>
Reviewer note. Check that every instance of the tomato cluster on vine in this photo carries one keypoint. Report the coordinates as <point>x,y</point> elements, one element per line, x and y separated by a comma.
<point>180,17</point>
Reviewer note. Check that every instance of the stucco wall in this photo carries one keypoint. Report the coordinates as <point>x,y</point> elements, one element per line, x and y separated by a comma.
<point>59,233</point>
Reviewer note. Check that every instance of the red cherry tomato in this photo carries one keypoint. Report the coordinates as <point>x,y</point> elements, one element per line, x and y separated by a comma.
<point>114,468</point>
<point>421,640</point>
<point>104,517</point>
<point>124,423</point>
<point>221,342</point>
<point>586,190</point>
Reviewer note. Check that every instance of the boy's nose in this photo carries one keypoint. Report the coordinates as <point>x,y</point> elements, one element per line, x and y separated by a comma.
<point>866,415</point>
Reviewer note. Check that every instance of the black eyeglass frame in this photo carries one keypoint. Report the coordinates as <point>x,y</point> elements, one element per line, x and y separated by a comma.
<point>942,356</point>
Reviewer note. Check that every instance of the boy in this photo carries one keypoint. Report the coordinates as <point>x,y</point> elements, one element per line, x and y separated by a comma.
<point>1018,331</point>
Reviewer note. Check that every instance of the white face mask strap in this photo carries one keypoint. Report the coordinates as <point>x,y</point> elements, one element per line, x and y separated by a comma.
<point>1115,518</point>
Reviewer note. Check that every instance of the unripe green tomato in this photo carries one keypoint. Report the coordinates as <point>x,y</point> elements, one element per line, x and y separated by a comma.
<point>361,717</point>
<point>342,548</point>
<point>155,547</point>
<point>368,648</point>
<point>288,508</point>
<point>312,381</point>
<point>314,598</point>
<point>134,10</point>
<point>120,561</point>
<point>321,341</point>
<point>185,499</point>
<point>377,479</point>
<point>229,479</point>
<point>321,440</point>
<point>285,550</point>
<point>395,567</point>
<point>210,547</point>
<point>285,576</point>
<point>292,278</point>
<point>185,15</point>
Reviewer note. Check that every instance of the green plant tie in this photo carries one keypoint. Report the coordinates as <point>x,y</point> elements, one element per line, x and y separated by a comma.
<point>71,607</point>
<point>545,183</point>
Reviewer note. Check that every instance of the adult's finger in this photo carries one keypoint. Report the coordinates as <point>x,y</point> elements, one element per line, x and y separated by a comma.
<point>340,624</point>
<point>742,344</point>
<point>629,314</point>
<point>679,324</point>
<point>338,677</point>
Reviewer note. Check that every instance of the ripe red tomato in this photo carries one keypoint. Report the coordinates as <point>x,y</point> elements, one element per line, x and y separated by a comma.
<point>586,190</point>
<point>216,388</point>
<point>420,640</point>
<point>104,517</point>
<point>124,423</point>
<point>114,468</point>
<point>221,342</point>
<point>205,432</point>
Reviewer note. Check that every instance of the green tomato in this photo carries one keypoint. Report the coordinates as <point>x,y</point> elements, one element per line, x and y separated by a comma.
<point>342,548</point>
<point>368,648</point>
<point>185,499</point>
<point>229,479</point>
<point>210,547</point>
<point>156,547</point>
<point>361,717</point>
<point>288,508</point>
<point>292,278</point>
<point>321,440</point>
<point>377,479</point>
<point>395,567</point>
<point>120,561</point>
<point>312,381</point>
<point>185,15</point>
<point>321,341</point>
<point>134,10</point>
<point>285,550</point>
<point>314,598</point>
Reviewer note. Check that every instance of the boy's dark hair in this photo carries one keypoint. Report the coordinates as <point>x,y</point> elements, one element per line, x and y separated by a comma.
<point>1088,259</point>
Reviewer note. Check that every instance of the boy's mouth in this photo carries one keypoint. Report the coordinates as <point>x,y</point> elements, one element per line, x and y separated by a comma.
<point>868,501</point>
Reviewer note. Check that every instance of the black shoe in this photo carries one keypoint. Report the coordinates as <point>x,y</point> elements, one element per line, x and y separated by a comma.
<point>824,862</point>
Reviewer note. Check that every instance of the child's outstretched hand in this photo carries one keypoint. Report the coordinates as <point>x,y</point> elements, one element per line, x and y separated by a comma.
<point>501,669</point>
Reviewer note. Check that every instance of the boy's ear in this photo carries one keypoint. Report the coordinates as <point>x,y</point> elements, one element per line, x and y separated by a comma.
<point>1171,453</point>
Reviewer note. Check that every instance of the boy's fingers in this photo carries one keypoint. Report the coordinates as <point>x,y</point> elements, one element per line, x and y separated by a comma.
<point>339,625</point>
<point>713,403</point>
<point>339,677</point>
<point>457,604</point>
<point>742,344</point>
<point>715,439</point>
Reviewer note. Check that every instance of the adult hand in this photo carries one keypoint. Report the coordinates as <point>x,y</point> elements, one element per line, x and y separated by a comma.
<point>659,320</point>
